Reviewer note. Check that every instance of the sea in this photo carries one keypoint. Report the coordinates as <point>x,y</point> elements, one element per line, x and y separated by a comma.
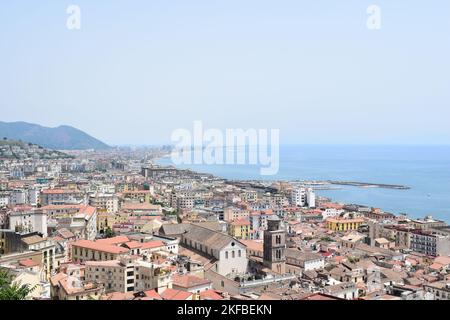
<point>424,169</point>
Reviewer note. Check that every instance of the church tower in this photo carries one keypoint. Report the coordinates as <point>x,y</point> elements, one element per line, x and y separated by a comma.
<point>275,245</point>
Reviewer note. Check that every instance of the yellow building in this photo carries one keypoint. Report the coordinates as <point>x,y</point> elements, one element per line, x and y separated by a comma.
<point>239,229</point>
<point>105,220</point>
<point>336,224</point>
<point>139,195</point>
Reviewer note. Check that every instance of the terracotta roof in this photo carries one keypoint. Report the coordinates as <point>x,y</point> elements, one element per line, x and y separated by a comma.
<point>189,281</point>
<point>171,294</point>
<point>133,244</point>
<point>28,263</point>
<point>152,244</point>
<point>98,246</point>
<point>241,222</point>
<point>153,294</point>
<point>253,245</point>
<point>59,191</point>
<point>33,239</point>
<point>114,240</point>
<point>210,295</point>
<point>120,296</point>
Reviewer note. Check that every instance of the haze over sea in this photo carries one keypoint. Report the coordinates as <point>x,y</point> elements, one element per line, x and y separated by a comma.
<point>425,169</point>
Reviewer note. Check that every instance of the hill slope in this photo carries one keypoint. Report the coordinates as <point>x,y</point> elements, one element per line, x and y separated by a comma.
<point>12,149</point>
<point>59,138</point>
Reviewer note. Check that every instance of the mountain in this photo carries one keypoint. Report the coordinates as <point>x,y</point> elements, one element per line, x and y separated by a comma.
<point>59,138</point>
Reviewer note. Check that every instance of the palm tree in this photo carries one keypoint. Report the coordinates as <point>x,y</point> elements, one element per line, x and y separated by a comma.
<point>13,291</point>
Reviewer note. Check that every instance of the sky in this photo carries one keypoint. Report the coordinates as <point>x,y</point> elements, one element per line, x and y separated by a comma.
<point>138,70</point>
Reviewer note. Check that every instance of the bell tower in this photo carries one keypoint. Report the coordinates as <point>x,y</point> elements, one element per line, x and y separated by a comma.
<point>275,246</point>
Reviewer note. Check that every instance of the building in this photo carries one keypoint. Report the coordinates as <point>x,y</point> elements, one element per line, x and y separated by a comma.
<point>138,195</point>
<point>305,260</point>
<point>344,290</point>
<point>298,197</point>
<point>429,243</point>
<point>104,202</point>
<point>229,253</point>
<point>439,289</point>
<point>232,213</point>
<point>87,250</point>
<point>78,218</point>
<point>65,287</point>
<point>190,283</point>
<point>336,224</point>
<point>61,196</point>
<point>275,246</point>
<point>27,219</point>
<point>310,198</point>
<point>128,274</point>
<point>249,196</point>
<point>239,229</point>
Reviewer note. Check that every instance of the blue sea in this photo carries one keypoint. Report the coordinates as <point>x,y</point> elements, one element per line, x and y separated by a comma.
<point>425,169</point>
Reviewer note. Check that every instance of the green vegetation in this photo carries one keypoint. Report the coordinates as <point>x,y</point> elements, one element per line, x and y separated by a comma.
<point>13,291</point>
<point>109,233</point>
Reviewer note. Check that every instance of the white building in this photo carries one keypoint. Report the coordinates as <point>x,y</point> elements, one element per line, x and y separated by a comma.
<point>105,202</point>
<point>298,197</point>
<point>33,196</point>
<point>28,221</point>
<point>310,198</point>
<point>4,201</point>
<point>230,254</point>
<point>128,275</point>
<point>17,197</point>
<point>302,197</point>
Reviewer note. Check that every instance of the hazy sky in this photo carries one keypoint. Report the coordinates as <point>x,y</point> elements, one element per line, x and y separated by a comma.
<point>137,70</point>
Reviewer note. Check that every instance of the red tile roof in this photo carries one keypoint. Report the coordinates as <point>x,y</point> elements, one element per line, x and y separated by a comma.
<point>114,240</point>
<point>189,281</point>
<point>152,244</point>
<point>171,294</point>
<point>98,246</point>
<point>28,263</point>
<point>241,222</point>
<point>133,244</point>
<point>210,295</point>
<point>152,294</point>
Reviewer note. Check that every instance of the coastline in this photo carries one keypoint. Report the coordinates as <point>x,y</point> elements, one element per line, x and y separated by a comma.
<point>318,185</point>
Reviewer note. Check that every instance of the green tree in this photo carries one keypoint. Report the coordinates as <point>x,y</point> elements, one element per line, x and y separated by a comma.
<point>13,291</point>
<point>109,233</point>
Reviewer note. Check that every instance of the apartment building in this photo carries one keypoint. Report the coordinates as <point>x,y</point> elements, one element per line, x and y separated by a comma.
<point>337,224</point>
<point>86,250</point>
<point>105,202</point>
<point>239,229</point>
<point>61,196</point>
<point>233,213</point>
<point>78,218</point>
<point>429,243</point>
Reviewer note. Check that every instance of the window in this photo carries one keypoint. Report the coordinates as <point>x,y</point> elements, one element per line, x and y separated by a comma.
<point>239,253</point>
<point>226,254</point>
<point>232,254</point>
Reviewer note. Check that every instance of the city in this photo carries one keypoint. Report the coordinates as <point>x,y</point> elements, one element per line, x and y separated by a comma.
<point>113,225</point>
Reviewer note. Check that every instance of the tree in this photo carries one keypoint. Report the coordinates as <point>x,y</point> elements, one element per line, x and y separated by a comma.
<point>12,290</point>
<point>109,233</point>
